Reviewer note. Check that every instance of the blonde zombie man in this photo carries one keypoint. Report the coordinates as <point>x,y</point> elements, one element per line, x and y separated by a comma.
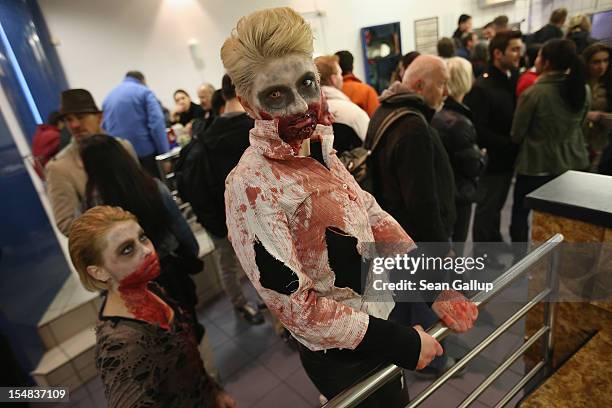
<point>300,223</point>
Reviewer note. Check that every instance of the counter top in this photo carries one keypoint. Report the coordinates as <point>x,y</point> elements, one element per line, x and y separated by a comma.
<point>578,195</point>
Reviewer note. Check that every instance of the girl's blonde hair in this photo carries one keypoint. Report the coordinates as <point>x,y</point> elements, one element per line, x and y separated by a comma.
<point>84,240</point>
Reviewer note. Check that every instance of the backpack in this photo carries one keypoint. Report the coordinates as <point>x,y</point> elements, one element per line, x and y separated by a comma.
<point>356,160</point>
<point>193,177</point>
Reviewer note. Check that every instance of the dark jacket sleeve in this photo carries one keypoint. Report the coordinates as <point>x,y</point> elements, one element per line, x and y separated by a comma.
<point>480,104</point>
<point>415,171</point>
<point>201,193</point>
<point>178,225</point>
<point>391,343</point>
<point>466,158</point>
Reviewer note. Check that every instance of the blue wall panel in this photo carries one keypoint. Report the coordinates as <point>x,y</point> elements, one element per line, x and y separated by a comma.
<point>30,43</point>
<point>32,265</point>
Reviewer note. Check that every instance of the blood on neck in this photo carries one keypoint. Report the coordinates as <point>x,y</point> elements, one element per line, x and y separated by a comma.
<point>139,301</point>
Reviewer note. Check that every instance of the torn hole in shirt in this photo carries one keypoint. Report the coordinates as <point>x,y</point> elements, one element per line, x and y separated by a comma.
<point>273,274</point>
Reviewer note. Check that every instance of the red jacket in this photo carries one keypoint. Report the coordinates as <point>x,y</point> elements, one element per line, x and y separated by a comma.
<point>525,81</point>
<point>361,94</point>
<point>45,145</point>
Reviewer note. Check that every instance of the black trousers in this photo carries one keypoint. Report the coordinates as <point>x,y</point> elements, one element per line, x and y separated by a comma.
<point>462,225</point>
<point>336,370</point>
<point>487,218</point>
<point>519,226</point>
<point>605,163</point>
<point>149,164</point>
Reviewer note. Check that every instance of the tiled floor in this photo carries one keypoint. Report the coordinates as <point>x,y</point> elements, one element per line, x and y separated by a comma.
<point>260,371</point>
<point>254,364</point>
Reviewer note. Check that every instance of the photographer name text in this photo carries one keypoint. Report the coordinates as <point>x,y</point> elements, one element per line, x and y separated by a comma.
<point>407,285</point>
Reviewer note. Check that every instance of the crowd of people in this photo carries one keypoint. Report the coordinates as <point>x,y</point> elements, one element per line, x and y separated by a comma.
<point>540,108</point>
<point>267,176</point>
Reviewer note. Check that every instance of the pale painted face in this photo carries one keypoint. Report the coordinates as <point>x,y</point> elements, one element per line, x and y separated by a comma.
<point>285,86</point>
<point>286,89</point>
<point>125,247</point>
<point>83,125</point>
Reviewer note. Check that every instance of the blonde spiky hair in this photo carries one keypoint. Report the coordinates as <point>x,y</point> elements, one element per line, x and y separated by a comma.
<point>265,34</point>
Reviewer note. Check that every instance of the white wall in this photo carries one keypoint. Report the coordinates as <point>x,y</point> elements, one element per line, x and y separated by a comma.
<point>98,41</point>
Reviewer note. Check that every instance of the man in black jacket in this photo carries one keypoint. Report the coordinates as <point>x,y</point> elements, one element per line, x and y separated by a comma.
<point>551,30</point>
<point>225,140</point>
<point>492,101</point>
<point>412,176</point>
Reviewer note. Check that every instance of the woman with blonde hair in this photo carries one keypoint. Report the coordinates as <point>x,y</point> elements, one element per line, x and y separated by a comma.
<point>454,124</point>
<point>146,349</point>
<point>579,32</point>
<point>300,223</point>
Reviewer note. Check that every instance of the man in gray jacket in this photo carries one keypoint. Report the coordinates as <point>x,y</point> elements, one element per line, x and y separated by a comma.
<point>66,177</point>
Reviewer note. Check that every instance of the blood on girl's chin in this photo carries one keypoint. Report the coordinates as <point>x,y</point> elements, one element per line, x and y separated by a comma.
<point>146,272</point>
<point>138,300</point>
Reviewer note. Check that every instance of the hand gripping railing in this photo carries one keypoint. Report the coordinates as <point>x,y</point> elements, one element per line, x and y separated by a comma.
<point>359,391</point>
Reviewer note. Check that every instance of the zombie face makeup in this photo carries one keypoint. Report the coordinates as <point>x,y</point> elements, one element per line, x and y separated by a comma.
<point>130,260</point>
<point>287,90</point>
<point>125,249</point>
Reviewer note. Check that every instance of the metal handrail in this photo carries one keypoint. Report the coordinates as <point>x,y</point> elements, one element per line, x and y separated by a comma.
<point>439,382</point>
<point>359,391</point>
<point>506,399</point>
<point>505,365</point>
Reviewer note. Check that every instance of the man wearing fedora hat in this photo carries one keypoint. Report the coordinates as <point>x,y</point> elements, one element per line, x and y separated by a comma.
<point>66,177</point>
